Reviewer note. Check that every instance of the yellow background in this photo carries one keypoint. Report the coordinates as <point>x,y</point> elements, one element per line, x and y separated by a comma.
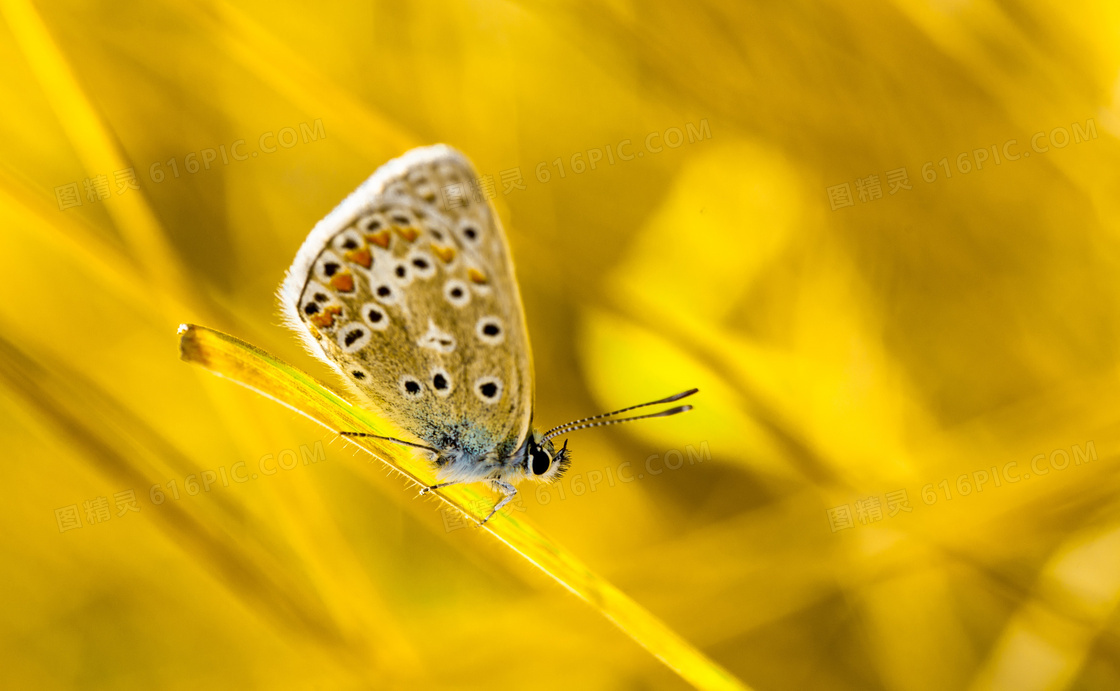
<point>949,332</point>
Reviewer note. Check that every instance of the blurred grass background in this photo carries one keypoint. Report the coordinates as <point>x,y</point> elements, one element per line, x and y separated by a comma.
<point>941,332</point>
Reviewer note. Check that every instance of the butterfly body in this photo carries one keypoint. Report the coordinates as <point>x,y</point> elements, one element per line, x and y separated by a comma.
<point>409,293</point>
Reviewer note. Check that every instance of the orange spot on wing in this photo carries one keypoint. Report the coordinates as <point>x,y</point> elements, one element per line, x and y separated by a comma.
<point>380,238</point>
<point>361,256</point>
<point>477,276</point>
<point>408,233</point>
<point>325,319</point>
<point>444,253</point>
<point>342,282</point>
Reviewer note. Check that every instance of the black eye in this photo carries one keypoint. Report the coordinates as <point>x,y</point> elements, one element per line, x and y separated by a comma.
<point>541,461</point>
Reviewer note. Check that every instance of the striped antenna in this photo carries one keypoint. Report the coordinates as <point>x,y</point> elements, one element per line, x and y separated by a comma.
<point>586,422</point>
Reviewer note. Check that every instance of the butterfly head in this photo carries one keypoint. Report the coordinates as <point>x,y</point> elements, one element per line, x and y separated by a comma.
<point>543,461</point>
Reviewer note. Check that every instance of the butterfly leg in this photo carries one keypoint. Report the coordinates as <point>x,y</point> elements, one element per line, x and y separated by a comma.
<point>425,490</point>
<point>507,490</point>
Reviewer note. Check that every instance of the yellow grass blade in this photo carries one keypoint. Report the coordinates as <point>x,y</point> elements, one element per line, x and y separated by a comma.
<point>366,129</point>
<point>251,367</point>
<point>243,551</point>
<point>94,143</point>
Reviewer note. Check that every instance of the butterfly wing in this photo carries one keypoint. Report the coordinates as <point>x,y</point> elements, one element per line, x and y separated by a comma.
<point>408,291</point>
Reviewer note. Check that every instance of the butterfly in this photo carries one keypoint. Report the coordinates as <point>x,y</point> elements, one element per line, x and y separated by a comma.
<point>407,289</point>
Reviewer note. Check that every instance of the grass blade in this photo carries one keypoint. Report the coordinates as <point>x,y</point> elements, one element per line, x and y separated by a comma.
<point>252,367</point>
